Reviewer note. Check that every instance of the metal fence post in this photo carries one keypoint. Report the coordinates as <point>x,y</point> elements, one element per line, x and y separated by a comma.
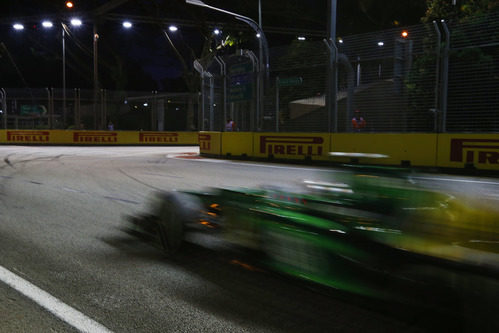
<point>199,68</point>
<point>259,97</point>
<point>437,76</point>
<point>3,95</point>
<point>212,100</point>
<point>445,76</point>
<point>223,73</point>
<point>332,87</point>
<point>277,104</point>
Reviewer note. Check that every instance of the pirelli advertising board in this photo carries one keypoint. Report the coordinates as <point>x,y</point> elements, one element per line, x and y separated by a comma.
<point>462,150</point>
<point>210,143</point>
<point>237,144</point>
<point>97,137</point>
<point>295,146</point>
<point>416,149</point>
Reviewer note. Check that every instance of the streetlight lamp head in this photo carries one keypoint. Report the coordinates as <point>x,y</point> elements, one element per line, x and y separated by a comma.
<point>18,26</point>
<point>69,4</point>
<point>258,35</point>
<point>381,43</point>
<point>216,32</point>
<point>47,24</point>
<point>301,38</point>
<point>76,22</point>
<point>127,24</point>
<point>172,28</point>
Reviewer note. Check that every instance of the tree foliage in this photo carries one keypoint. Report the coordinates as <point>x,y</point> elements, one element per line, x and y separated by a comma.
<point>460,11</point>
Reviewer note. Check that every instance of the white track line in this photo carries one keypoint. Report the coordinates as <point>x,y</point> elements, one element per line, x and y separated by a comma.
<point>61,310</point>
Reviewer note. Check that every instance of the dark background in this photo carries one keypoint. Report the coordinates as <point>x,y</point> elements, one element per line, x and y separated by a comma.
<point>142,58</point>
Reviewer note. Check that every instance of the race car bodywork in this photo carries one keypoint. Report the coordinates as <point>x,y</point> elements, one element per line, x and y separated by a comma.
<point>367,232</point>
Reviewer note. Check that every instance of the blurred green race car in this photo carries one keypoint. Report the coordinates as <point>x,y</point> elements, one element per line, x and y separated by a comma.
<point>370,231</point>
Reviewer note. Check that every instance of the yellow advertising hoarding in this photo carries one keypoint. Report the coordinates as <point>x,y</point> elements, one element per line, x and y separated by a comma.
<point>97,137</point>
<point>413,149</point>
<point>237,144</point>
<point>294,146</point>
<point>460,150</point>
<point>210,143</point>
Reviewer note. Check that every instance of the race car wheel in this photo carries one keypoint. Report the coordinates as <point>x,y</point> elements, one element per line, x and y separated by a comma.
<point>175,210</point>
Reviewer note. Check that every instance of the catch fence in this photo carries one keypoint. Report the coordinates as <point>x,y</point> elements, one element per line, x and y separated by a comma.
<point>436,77</point>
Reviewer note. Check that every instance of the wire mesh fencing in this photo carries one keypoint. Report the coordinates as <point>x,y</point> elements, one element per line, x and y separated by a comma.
<point>473,75</point>
<point>96,110</point>
<point>435,77</point>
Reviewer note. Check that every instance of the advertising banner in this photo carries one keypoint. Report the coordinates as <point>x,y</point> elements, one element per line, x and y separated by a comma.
<point>62,137</point>
<point>237,144</point>
<point>480,151</point>
<point>210,143</point>
<point>401,149</point>
<point>295,146</point>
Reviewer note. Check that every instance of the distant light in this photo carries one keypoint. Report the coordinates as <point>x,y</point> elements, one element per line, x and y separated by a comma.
<point>258,35</point>
<point>76,22</point>
<point>127,24</point>
<point>69,4</point>
<point>405,34</point>
<point>301,38</point>
<point>172,28</point>
<point>18,26</point>
<point>340,41</point>
<point>216,32</point>
<point>145,104</point>
<point>381,43</point>
<point>47,24</point>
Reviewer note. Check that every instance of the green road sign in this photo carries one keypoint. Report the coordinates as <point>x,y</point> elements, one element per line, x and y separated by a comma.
<point>290,81</point>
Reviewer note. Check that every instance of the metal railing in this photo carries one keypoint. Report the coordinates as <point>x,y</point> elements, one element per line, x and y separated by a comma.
<point>438,77</point>
<point>126,110</point>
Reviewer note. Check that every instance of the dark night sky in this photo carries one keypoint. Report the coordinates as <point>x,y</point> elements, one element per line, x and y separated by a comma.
<point>141,58</point>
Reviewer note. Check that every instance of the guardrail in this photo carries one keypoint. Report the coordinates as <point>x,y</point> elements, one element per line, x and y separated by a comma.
<point>66,137</point>
<point>479,151</point>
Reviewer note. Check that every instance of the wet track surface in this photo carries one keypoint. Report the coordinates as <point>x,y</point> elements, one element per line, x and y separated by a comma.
<point>61,214</point>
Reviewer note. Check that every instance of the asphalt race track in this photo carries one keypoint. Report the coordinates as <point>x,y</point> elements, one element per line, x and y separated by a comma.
<point>61,213</point>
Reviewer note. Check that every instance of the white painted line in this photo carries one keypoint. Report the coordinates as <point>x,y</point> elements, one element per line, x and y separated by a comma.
<point>458,180</point>
<point>262,165</point>
<point>61,310</point>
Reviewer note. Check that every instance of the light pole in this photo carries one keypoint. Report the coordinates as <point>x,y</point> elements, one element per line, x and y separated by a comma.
<point>263,42</point>
<point>64,72</point>
<point>239,17</point>
<point>48,25</point>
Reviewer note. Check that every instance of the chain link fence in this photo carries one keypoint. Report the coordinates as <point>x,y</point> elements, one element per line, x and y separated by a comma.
<point>437,77</point>
<point>86,109</point>
<point>473,81</point>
